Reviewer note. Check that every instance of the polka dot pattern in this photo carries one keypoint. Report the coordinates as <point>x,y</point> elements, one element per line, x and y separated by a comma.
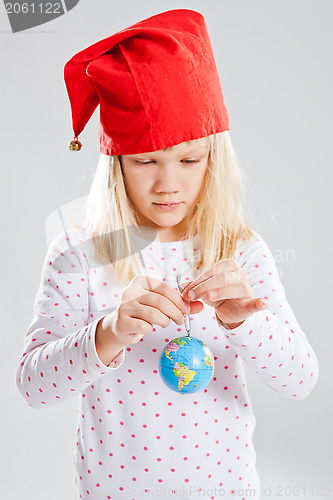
<point>134,434</point>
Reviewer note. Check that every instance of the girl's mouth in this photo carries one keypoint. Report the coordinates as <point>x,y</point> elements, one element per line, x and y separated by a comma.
<point>167,206</point>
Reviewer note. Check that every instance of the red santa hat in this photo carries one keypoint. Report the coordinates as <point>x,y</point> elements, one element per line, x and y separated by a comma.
<point>156,82</point>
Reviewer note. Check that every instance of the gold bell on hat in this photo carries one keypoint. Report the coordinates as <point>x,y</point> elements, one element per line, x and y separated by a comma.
<point>75,145</point>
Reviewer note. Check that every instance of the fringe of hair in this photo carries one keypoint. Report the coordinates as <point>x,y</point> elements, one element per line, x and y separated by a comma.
<point>219,218</point>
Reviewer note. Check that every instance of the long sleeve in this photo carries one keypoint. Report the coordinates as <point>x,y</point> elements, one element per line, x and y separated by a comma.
<point>60,358</point>
<point>271,341</point>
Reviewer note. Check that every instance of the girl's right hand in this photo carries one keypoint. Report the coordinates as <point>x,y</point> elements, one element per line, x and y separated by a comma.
<point>146,302</point>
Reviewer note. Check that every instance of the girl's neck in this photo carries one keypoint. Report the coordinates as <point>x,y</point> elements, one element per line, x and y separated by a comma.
<point>166,234</point>
<point>170,236</point>
<point>161,236</point>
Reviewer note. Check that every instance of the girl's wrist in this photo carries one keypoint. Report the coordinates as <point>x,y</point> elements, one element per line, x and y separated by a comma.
<point>108,325</point>
<point>107,344</point>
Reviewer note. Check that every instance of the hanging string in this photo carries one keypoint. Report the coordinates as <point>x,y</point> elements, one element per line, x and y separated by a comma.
<point>188,315</point>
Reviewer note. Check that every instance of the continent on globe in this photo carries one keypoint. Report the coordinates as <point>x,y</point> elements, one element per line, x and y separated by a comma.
<point>184,375</point>
<point>208,359</point>
<point>173,346</point>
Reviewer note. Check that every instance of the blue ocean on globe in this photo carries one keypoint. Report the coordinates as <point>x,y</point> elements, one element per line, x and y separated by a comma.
<point>186,365</point>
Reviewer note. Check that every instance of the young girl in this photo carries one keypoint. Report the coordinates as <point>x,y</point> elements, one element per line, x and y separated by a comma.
<point>166,199</point>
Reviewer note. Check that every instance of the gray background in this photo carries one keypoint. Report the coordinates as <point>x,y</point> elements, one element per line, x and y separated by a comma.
<point>273,59</point>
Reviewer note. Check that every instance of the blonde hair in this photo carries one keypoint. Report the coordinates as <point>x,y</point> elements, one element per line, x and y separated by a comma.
<point>218,218</point>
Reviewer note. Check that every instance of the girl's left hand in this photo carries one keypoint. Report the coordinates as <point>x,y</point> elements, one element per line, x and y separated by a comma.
<point>226,288</point>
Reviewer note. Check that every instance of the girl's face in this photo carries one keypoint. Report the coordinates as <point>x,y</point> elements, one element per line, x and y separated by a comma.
<point>172,176</point>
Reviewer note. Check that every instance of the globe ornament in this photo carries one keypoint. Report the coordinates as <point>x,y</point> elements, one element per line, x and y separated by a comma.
<point>186,365</point>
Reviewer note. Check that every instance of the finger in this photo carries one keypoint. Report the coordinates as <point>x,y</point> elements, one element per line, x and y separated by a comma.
<point>234,291</point>
<point>215,286</point>
<point>155,316</point>
<point>235,310</point>
<point>252,305</point>
<point>196,307</point>
<point>224,265</point>
<point>184,285</point>
<point>166,306</point>
<point>261,303</point>
<point>165,290</point>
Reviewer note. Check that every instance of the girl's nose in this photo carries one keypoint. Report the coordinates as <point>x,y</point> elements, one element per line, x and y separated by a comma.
<point>167,179</point>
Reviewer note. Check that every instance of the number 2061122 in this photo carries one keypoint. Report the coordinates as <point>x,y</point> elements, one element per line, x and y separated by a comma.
<point>34,8</point>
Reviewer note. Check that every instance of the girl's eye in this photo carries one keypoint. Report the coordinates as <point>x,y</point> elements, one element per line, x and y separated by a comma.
<point>143,163</point>
<point>148,162</point>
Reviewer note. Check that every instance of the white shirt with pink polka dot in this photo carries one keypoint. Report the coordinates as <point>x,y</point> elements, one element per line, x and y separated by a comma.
<point>136,438</point>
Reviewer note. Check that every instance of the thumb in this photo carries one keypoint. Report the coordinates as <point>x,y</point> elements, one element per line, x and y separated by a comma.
<point>260,304</point>
<point>253,305</point>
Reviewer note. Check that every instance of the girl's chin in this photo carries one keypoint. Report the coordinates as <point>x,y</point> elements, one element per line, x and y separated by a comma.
<point>163,218</point>
<point>163,222</point>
